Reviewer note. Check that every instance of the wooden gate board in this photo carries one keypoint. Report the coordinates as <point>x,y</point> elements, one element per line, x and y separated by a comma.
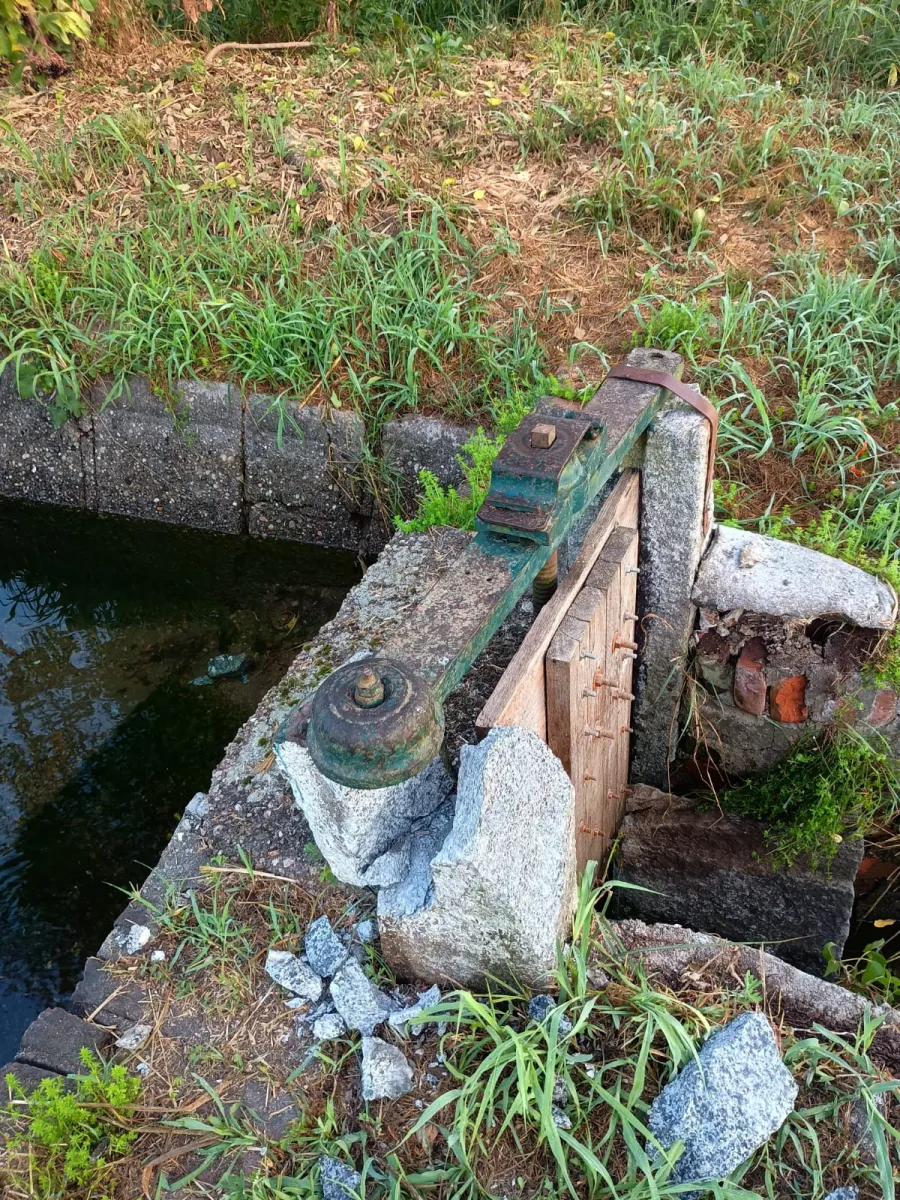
<point>588,687</point>
<point>520,697</point>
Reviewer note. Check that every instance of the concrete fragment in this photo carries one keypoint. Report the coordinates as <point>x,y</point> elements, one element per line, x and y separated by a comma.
<point>726,1105</point>
<point>400,1019</point>
<point>329,1027</point>
<point>324,950</point>
<point>386,1075</point>
<point>673,507</point>
<point>228,666</point>
<point>339,1182</point>
<point>883,709</point>
<point>414,443</point>
<point>362,1005</point>
<point>713,872</point>
<point>41,462</point>
<point>561,1119</point>
<point>293,974</point>
<point>859,1126</point>
<point>499,902</point>
<point>360,831</point>
<point>134,1038</point>
<point>750,678</point>
<point>133,938</point>
<point>789,580</point>
<point>27,1078</point>
<point>787,700</point>
<point>541,1009</point>
<point>843,1193</point>
<point>366,931</point>
<point>55,1040</point>
<point>115,1003</point>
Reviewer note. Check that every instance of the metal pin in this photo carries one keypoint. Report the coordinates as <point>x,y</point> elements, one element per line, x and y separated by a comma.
<point>625,729</point>
<point>587,654</point>
<point>593,778</point>
<point>613,796</point>
<point>588,692</point>
<point>599,733</point>
<point>620,695</point>
<point>630,616</point>
<point>630,654</point>
<point>632,570</point>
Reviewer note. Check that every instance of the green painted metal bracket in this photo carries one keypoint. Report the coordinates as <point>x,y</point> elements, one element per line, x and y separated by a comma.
<point>546,476</point>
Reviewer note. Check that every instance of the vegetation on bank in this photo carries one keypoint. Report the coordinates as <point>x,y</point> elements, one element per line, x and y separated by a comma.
<point>489,1126</point>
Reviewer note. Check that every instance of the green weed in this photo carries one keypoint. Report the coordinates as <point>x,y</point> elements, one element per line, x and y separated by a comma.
<point>833,785</point>
<point>63,1141</point>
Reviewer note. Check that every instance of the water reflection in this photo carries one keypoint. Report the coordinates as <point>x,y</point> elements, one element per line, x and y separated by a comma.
<point>103,623</point>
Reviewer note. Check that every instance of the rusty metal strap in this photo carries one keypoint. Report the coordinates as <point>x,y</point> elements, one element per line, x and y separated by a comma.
<point>680,389</point>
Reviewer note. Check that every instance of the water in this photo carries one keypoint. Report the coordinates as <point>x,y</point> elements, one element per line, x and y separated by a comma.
<point>104,622</point>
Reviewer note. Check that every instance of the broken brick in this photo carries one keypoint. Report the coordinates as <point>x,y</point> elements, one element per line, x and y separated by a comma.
<point>750,678</point>
<point>787,700</point>
<point>884,707</point>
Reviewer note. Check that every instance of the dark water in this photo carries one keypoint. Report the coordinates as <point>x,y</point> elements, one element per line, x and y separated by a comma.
<point>104,622</point>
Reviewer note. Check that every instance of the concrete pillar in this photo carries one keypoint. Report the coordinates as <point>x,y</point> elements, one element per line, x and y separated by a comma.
<point>673,501</point>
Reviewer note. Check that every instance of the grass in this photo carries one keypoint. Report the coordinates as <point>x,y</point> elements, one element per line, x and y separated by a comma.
<point>558,1108</point>
<point>435,220</point>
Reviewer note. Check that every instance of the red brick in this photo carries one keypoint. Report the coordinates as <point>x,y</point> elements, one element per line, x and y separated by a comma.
<point>787,700</point>
<point>750,678</point>
<point>884,708</point>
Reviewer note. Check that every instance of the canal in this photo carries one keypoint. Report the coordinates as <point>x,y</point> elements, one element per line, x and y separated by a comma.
<point>108,724</point>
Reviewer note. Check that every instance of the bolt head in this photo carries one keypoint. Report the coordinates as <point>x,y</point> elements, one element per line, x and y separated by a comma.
<point>369,689</point>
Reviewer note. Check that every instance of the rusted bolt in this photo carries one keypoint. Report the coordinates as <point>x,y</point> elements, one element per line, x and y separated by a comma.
<point>369,689</point>
<point>622,695</point>
<point>544,583</point>
<point>599,733</point>
<point>543,436</point>
<point>620,643</point>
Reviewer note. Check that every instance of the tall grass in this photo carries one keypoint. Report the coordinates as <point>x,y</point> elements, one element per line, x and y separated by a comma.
<point>383,323</point>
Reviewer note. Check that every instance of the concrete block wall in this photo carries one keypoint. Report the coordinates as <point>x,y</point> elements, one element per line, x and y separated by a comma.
<point>216,460</point>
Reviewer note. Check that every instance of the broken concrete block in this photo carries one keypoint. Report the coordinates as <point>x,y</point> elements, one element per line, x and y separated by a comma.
<point>542,1007</point>
<point>362,832</point>
<point>400,1019</point>
<point>713,872</point>
<point>362,1005</point>
<point>339,1182</point>
<point>27,1078</point>
<point>726,1105</point>
<point>54,1041</point>
<point>324,949</point>
<point>750,678</point>
<point>293,974</point>
<point>789,580</point>
<point>787,700</point>
<point>134,1038</point>
<point>386,1075</point>
<point>502,889</point>
<point>329,1027</point>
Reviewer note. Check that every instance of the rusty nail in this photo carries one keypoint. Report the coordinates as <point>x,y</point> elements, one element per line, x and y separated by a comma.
<point>620,695</point>
<point>593,778</point>
<point>543,436</point>
<point>599,733</point>
<point>369,689</point>
<point>625,729</point>
<point>630,616</point>
<point>612,796</point>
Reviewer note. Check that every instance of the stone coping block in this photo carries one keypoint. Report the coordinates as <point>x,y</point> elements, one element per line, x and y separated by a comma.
<point>764,575</point>
<point>54,1042</point>
<point>179,463</point>
<point>713,872</point>
<point>416,443</point>
<point>37,461</point>
<point>304,478</point>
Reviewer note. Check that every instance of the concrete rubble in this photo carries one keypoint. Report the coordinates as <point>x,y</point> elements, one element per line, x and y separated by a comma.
<point>725,1104</point>
<point>293,974</point>
<point>338,1181</point>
